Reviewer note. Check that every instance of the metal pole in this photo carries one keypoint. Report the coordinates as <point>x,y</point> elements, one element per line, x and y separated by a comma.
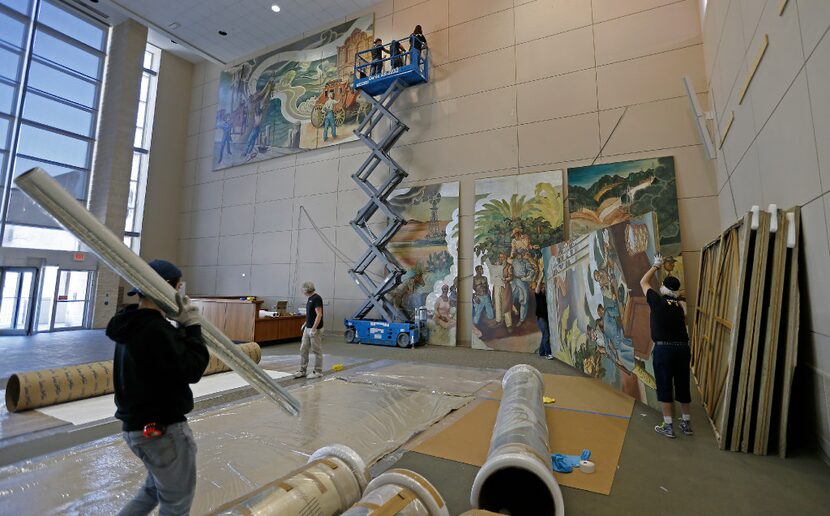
<point>56,201</point>
<point>517,476</point>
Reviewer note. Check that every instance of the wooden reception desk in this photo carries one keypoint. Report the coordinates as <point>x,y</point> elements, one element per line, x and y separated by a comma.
<point>239,320</point>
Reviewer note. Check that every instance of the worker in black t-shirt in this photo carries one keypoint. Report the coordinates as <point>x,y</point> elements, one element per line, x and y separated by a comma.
<point>417,43</point>
<point>377,56</point>
<point>312,333</point>
<point>671,354</point>
<point>542,319</point>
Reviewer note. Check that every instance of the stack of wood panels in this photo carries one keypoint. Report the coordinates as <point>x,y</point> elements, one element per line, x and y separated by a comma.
<point>745,330</point>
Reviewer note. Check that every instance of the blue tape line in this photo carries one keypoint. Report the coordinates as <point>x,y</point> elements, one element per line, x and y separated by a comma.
<point>566,408</point>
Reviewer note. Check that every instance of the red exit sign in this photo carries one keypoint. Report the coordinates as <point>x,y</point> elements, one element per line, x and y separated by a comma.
<point>79,256</point>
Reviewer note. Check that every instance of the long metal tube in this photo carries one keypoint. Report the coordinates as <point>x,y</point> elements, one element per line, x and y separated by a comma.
<point>69,213</point>
<point>401,492</point>
<point>327,485</point>
<point>517,475</point>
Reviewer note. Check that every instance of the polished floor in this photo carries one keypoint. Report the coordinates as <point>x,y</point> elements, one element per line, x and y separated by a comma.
<point>656,475</point>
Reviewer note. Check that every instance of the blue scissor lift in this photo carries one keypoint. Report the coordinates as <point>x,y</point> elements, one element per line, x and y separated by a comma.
<point>380,91</point>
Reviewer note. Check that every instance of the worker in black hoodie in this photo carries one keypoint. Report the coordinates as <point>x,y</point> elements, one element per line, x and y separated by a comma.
<point>154,364</point>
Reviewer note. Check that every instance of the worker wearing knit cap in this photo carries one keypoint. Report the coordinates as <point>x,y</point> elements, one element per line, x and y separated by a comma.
<point>671,354</point>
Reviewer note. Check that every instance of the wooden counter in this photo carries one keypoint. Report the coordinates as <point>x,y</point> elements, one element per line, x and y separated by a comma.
<point>239,319</point>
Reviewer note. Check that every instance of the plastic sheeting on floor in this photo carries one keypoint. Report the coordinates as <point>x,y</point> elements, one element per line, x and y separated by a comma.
<point>241,447</point>
<point>434,378</point>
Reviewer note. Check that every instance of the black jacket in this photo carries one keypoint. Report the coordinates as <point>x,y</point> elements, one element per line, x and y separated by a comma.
<point>153,367</point>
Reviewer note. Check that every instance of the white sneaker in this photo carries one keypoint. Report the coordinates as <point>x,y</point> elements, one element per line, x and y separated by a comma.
<point>299,374</point>
<point>314,374</point>
<point>549,357</point>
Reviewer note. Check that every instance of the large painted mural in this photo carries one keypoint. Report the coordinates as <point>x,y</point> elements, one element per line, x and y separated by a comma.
<point>599,317</point>
<point>296,98</point>
<point>427,246</point>
<point>515,218</point>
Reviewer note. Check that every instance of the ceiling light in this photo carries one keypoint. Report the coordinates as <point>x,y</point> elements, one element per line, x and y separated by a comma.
<point>223,33</point>
<point>275,8</point>
<point>174,25</point>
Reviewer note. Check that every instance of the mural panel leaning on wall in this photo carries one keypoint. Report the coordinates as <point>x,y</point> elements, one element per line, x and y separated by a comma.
<point>515,218</point>
<point>599,318</point>
<point>296,98</point>
<point>427,246</point>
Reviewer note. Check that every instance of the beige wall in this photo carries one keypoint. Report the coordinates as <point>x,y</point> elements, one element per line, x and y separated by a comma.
<point>777,148</point>
<point>515,89</point>
<point>160,229</point>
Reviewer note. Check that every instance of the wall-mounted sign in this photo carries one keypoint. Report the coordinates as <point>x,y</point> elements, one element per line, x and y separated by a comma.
<point>79,256</point>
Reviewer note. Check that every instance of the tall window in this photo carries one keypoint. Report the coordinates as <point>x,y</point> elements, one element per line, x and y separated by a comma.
<point>51,65</point>
<point>141,150</point>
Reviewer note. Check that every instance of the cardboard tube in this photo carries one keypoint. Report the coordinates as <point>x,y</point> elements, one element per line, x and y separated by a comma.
<point>399,491</point>
<point>517,478</point>
<point>327,485</point>
<point>35,389</point>
<point>69,213</point>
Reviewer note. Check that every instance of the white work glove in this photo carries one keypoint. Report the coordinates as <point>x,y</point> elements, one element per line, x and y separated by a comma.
<point>658,261</point>
<point>188,313</point>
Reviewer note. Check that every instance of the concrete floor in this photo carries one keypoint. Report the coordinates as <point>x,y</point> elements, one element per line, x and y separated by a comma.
<point>656,475</point>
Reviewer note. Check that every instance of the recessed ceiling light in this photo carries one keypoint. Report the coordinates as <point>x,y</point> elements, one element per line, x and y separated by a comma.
<point>223,33</point>
<point>275,8</point>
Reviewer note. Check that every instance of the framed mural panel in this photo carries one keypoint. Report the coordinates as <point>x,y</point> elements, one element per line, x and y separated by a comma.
<point>599,317</point>
<point>515,218</point>
<point>602,195</point>
<point>296,98</point>
<point>427,246</point>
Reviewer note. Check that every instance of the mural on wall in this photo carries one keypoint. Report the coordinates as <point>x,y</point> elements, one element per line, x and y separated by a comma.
<point>427,246</point>
<point>599,317</point>
<point>515,218</point>
<point>602,195</point>
<point>296,98</point>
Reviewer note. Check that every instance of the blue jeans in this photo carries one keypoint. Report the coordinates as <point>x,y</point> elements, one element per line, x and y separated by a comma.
<point>485,304</point>
<point>544,345</point>
<point>329,123</point>
<point>252,139</point>
<point>171,471</point>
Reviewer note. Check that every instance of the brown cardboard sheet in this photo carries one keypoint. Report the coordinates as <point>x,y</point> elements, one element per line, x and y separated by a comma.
<point>579,393</point>
<point>467,440</point>
<point>241,446</point>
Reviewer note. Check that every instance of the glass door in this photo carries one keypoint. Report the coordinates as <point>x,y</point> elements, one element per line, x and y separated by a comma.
<point>71,301</point>
<point>17,289</point>
<point>48,295</point>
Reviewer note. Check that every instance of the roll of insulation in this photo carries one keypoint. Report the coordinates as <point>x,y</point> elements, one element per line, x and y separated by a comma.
<point>517,479</point>
<point>587,466</point>
<point>34,389</point>
<point>399,492</point>
<point>328,485</point>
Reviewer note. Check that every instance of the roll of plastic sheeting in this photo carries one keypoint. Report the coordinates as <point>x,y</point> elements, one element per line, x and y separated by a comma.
<point>70,214</point>
<point>516,477</point>
<point>399,492</point>
<point>35,389</point>
<point>327,485</point>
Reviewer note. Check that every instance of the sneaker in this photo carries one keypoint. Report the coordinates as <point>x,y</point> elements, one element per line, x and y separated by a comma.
<point>686,427</point>
<point>314,374</point>
<point>665,429</point>
<point>549,357</point>
<point>299,374</point>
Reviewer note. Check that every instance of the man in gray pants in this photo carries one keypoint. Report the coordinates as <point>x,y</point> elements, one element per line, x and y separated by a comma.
<point>153,366</point>
<point>312,333</point>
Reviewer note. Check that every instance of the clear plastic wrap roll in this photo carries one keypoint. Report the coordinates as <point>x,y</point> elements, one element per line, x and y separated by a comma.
<point>517,475</point>
<point>69,213</point>
<point>327,485</point>
<point>401,492</point>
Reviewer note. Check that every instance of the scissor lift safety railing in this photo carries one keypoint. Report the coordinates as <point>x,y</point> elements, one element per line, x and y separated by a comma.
<point>376,291</point>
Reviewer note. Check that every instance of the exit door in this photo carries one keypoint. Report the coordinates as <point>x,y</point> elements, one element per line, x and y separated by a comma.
<point>17,285</point>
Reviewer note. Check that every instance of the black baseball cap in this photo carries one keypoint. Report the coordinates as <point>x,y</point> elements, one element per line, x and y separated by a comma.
<point>671,283</point>
<point>163,268</point>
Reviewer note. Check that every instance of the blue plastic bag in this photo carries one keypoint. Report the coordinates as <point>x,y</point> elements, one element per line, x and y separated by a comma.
<point>562,463</point>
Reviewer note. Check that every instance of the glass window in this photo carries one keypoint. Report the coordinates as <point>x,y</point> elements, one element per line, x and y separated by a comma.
<point>8,98</point>
<point>61,84</point>
<point>71,179</point>
<point>71,25</point>
<point>30,237</point>
<point>21,6</point>
<point>57,114</point>
<point>12,30</point>
<point>40,143</point>
<point>4,133</point>
<point>9,64</point>
<point>74,58</point>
